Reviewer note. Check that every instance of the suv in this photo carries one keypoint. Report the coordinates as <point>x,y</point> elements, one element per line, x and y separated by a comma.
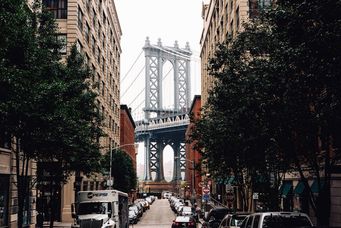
<point>214,217</point>
<point>276,220</point>
<point>233,220</point>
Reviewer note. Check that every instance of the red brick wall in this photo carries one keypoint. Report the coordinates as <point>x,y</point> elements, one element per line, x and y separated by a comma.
<point>190,153</point>
<point>127,135</point>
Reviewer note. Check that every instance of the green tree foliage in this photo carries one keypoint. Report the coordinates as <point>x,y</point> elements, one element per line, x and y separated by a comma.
<point>275,106</point>
<point>46,106</point>
<point>122,171</point>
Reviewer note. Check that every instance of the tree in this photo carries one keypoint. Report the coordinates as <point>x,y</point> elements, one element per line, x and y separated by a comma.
<point>275,106</point>
<point>48,108</point>
<point>122,171</point>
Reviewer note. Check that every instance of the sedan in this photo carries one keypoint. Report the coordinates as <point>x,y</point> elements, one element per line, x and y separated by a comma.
<point>184,222</point>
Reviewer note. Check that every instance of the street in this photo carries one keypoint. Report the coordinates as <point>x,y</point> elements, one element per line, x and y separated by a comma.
<point>159,215</point>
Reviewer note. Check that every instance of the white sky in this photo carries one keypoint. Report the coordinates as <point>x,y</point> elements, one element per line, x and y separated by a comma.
<point>169,20</point>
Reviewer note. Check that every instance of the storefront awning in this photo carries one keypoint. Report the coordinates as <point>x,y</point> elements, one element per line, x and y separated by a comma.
<point>285,188</point>
<point>315,186</point>
<point>299,189</point>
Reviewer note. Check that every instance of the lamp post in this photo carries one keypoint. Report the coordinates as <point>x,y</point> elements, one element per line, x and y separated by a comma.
<point>193,174</point>
<point>111,182</point>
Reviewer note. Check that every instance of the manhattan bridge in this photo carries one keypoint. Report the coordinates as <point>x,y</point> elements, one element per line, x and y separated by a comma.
<point>162,126</point>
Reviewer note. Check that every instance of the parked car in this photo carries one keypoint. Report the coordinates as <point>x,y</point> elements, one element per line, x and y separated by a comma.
<point>186,211</point>
<point>233,220</point>
<point>132,217</point>
<point>136,210</point>
<point>184,222</point>
<point>214,217</point>
<point>277,220</point>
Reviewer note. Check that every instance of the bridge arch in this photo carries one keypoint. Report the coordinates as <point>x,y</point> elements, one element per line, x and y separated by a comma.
<point>163,127</point>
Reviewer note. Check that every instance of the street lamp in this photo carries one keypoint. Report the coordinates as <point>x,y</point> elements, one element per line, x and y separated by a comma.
<point>111,182</point>
<point>193,174</point>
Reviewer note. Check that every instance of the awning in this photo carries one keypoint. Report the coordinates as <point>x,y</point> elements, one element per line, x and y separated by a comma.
<point>299,189</point>
<point>285,188</point>
<point>220,181</point>
<point>315,187</point>
<point>231,180</point>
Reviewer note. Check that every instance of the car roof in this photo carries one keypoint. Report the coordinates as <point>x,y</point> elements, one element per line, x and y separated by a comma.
<point>182,219</point>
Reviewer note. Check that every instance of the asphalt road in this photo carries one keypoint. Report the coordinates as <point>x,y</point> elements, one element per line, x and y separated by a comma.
<point>159,215</point>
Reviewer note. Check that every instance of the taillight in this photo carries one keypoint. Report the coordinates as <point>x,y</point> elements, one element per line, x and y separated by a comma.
<point>191,223</point>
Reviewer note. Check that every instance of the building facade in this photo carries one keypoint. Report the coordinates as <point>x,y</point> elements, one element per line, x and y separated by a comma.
<point>127,134</point>
<point>193,176</point>
<point>222,20</point>
<point>8,185</point>
<point>93,26</point>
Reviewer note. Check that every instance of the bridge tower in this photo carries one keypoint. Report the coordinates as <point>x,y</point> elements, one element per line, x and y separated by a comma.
<point>169,125</point>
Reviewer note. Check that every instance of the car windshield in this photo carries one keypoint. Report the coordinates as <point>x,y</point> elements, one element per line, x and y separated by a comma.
<point>94,208</point>
<point>219,214</point>
<point>237,220</point>
<point>277,221</point>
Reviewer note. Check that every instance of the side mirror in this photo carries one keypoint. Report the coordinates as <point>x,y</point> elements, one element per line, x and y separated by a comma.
<point>109,214</point>
<point>73,213</point>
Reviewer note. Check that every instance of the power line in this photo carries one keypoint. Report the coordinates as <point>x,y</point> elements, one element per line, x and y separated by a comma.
<point>125,76</point>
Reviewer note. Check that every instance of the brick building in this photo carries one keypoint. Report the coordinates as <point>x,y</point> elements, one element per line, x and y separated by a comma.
<point>127,134</point>
<point>191,154</point>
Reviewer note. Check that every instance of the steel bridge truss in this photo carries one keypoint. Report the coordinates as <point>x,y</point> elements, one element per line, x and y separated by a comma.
<point>167,127</point>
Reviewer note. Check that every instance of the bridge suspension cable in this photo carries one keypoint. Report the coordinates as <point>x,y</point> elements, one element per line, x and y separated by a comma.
<point>132,82</point>
<point>136,96</point>
<point>138,106</point>
<point>125,76</point>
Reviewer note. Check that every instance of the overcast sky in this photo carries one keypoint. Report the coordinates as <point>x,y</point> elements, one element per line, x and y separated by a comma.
<point>169,20</point>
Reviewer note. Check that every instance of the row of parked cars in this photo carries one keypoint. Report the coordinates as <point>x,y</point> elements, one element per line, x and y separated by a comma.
<point>186,214</point>
<point>139,206</point>
<point>223,218</point>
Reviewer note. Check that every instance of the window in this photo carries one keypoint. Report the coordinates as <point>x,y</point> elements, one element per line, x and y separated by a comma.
<point>99,31</point>
<point>88,5</point>
<point>99,55</point>
<point>93,45</point>
<point>57,7</point>
<point>80,19</point>
<point>264,4</point>
<point>85,186</point>
<point>94,18</point>
<point>87,35</point>
<point>249,222</point>
<point>63,42</point>
<point>103,88</point>
<point>256,221</point>
<point>237,18</point>
<point>103,64</point>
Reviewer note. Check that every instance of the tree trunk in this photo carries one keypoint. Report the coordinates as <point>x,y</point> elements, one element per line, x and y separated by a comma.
<point>52,206</point>
<point>19,189</point>
<point>324,197</point>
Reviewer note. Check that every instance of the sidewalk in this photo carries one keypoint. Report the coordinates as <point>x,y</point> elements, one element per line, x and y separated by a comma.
<point>58,224</point>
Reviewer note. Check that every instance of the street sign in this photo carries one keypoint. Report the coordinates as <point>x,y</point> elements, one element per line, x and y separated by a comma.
<point>255,196</point>
<point>110,183</point>
<point>205,197</point>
